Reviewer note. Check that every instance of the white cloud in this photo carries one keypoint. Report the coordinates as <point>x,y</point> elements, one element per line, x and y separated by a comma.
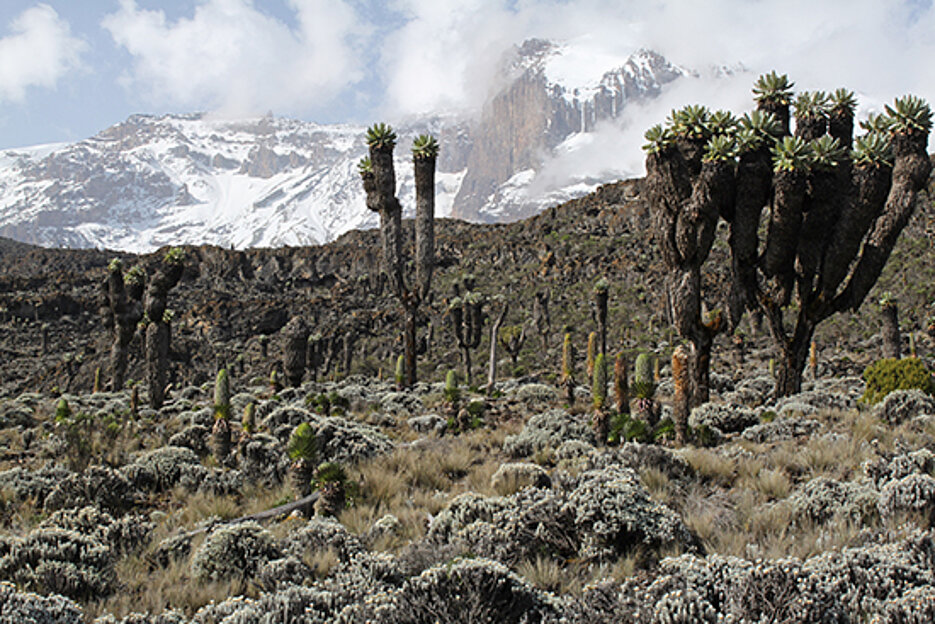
<point>38,53</point>
<point>231,58</point>
<point>447,53</point>
<point>447,56</point>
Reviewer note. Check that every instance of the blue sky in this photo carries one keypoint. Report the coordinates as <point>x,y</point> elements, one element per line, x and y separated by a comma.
<point>69,68</point>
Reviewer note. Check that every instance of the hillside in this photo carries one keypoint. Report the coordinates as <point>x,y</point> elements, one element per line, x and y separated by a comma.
<point>426,508</point>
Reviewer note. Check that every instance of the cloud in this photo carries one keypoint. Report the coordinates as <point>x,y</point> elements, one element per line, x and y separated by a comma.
<point>231,58</point>
<point>450,58</point>
<point>447,54</point>
<point>39,52</point>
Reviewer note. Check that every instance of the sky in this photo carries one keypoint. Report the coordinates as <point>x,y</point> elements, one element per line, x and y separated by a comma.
<point>70,68</point>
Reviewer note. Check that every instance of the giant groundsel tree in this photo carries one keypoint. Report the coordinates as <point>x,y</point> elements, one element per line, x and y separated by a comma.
<point>814,213</point>
<point>379,180</point>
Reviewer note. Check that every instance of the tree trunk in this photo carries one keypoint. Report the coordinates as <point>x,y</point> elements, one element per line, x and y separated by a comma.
<point>892,347</point>
<point>157,357</point>
<point>701,368</point>
<point>409,339</point>
<point>792,363</point>
<point>466,358</point>
<point>492,362</point>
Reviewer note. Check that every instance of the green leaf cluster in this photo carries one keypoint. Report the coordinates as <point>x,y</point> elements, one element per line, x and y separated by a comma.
<point>381,136</point>
<point>886,375</point>
<point>302,443</point>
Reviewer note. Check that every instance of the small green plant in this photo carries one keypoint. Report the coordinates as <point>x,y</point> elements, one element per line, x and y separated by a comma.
<point>302,449</point>
<point>625,428</point>
<point>773,88</point>
<point>381,136</point>
<point>425,146</point>
<point>174,256</point>
<point>644,384</point>
<point>400,370</point>
<point>451,392</point>
<point>887,375</point>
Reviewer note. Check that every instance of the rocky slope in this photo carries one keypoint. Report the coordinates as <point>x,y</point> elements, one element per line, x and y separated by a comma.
<point>193,179</point>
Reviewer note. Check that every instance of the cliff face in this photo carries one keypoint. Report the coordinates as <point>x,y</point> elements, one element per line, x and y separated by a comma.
<point>534,113</point>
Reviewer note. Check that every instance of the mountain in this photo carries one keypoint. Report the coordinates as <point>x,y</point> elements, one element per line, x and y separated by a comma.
<point>193,179</point>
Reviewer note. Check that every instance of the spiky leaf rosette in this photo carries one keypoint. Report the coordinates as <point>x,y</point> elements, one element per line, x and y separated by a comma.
<point>843,102</point>
<point>115,266</point>
<point>812,105</point>
<point>756,129</point>
<point>719,148</point>
<point>873,150</point>
<point>658,139</point>
<point>174,256</point>
<point>909,114</point>
<point>424,146</point>
<point>302,443</point>
<point>134,276</point>
<point>876,123</point>
<point>381,136</point>
<point>792,154</point>
<point>762,123</point>
<point>330,472</point>
<point>601,285</point>
<point>773,88</point>
<point>365,166</point>
<point>691,122</point>
<point>722,122</point>
<point>888,299</point>
<point>827,152</point>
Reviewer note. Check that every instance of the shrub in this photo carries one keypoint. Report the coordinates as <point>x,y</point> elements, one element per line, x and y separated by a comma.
<point>161,469</point>
<point>724,418</point>
<point>615,515</point>
<point>914,493</point>
<point>901,406</point>
<point>27,608</point>
<point>474,590</point>
<point>234,551</point>
<point>547,430</point>
<point>59,561</point>
<point>887,375</point>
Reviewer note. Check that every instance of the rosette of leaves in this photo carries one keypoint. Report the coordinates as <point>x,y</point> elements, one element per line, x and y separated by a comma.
<point>722,122</point>
<point>134,276</point>
<point>720,147</point>
<point>365,166</point>
<point>175,256</point>
<point>302,450</point>
<point>873,150</point>
<point>792,154</point>
<point>827,152</point>
<point>425,146</point>
<point>658,138</point>
<point>842,102</point>
<point>381,136</point>
<point>773,88</point>
<point>330,481</point>
<point>909,114</point>
<point>812,105</point>
<point>876,123</point>
<point>691,122</point>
